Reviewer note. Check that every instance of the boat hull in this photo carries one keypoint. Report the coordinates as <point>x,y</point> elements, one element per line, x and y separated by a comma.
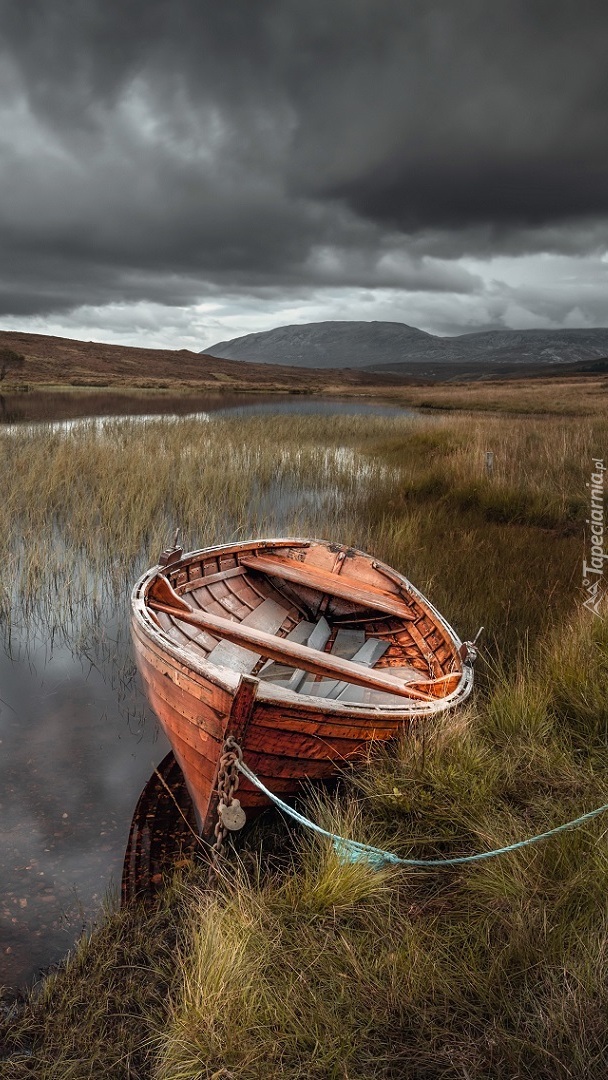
<point>286,738</point>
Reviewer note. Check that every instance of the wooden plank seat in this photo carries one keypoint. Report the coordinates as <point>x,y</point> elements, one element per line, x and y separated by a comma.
<point>268,616</point>
<point>280,674</point>
<point>348,644</point>
<point>367,656</point>
<point>364,695</point>
<point>345,645</point>
<point>317,639</point>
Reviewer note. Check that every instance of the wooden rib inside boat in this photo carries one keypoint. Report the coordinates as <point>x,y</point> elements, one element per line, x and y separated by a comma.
<point>305,651</point>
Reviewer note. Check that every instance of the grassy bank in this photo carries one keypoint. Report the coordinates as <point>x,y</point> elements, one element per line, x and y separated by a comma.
<point>572,395</point>
<point>555,395</point>
<point>300,966</point>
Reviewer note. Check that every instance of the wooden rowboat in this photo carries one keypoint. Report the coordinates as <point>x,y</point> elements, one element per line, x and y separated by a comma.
<point>305,651</point>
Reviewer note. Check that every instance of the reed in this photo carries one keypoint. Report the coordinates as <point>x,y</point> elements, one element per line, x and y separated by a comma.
<point>96,503</point>
<point>301,966</point>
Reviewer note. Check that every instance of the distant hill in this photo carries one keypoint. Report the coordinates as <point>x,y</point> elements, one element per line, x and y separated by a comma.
<point>498,348</point>
<point>66,361</point>
<point>328,345</point>
<point>398,349</point>
<point>421,357</point>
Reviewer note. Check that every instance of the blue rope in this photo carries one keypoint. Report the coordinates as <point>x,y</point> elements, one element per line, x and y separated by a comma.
<point>353,851</point>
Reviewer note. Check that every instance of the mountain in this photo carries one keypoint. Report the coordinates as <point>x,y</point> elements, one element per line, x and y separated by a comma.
<point>398,349</point>
<point>327,345</point>
<point>499,348</point>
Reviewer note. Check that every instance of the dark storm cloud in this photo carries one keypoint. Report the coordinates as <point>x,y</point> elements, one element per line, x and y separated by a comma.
<point>465,114</point>
<point>162,152</point>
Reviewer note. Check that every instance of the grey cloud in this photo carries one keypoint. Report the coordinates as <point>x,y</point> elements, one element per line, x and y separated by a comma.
<point>478,114</point>
<point>161,152</point>
<point>575,303</point>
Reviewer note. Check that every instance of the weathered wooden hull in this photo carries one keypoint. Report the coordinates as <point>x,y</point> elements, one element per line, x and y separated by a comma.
<point>286,737</point>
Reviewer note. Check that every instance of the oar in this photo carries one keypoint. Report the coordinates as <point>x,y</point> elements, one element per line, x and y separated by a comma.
<point>323,581</point>
<point>161,597</point>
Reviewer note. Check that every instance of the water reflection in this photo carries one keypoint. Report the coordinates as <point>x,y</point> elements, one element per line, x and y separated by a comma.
<point>76,741</point>
<point>38,405</point>
<point>163,834</point>
<point>58,408</point>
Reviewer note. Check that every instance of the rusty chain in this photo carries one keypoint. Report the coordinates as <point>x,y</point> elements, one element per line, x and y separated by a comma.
<point>228,778</point>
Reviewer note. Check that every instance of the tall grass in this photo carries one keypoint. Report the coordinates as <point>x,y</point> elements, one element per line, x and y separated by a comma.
<point>85,510</point>
<point>300,966</point>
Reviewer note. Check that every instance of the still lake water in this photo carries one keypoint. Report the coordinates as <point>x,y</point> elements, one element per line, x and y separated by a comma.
<point>77,739</point>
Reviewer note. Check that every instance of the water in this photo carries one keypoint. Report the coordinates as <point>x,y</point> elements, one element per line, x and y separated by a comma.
<point>65,408</point>
<point>77,739</point>
<point>77,745</point>
<point>312,407</point>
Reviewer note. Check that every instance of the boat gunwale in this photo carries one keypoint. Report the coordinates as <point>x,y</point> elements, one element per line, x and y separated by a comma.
<point>268,693</point>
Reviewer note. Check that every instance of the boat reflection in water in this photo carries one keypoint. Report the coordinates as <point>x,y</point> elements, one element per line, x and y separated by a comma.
<point>163,835</point>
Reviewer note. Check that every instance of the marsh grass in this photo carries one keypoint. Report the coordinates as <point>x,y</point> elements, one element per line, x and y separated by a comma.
<point>68,1028</point>
<point>304,967</point>
<point>560,397</point>
<point>496,969</point>
<point>84,511</point>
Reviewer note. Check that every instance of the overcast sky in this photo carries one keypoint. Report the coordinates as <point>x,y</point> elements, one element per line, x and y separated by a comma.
<point>177,172</point>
